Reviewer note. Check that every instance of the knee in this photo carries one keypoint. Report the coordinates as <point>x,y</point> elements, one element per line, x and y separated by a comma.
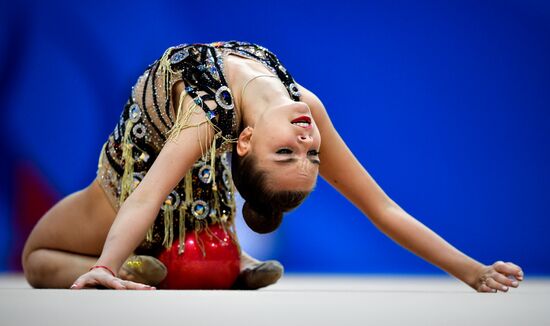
<point>36,268</point>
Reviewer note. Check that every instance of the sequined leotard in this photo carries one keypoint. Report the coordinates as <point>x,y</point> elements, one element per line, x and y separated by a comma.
<point>206,195</point>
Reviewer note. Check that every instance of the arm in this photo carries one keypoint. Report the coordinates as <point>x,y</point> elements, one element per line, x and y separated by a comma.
<point>140,209</point>
<point>342,170</point>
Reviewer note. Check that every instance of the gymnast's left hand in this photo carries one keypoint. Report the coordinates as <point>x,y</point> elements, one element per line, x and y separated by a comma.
<point>499,276</point>
<point>99,278</point>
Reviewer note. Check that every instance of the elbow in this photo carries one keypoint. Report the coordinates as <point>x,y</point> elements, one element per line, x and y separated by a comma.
<point>385,212</point>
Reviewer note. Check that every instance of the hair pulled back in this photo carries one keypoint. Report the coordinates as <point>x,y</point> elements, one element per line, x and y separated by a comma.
<point>263,208</point>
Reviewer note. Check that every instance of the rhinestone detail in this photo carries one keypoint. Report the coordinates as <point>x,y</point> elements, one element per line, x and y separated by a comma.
<point>200,209</point>
<point>224,98</point>
<point>135,113</point>
<point>205,173</point>
<point>139,130</point>
<point>294,90</point>
<point>172,201</point>
<point>179,56</point>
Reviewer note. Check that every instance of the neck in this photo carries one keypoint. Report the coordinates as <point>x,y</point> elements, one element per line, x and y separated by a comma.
<point>260,94</point>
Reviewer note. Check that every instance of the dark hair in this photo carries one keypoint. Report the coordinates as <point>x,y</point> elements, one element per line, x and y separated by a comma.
<point>263,208</point>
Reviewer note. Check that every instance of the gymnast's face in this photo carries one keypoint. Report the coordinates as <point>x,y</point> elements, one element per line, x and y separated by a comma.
<point>285,142</point>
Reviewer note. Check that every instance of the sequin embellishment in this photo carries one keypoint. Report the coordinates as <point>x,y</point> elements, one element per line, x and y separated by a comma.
<point>137,177</point>
<point>211,115</point>
<point>205,173</point>
<point>223,98</point>
<point>201,198</point>
<point>200,209</point>
<point>179,56</point>
<point>139,130</point>
<point>294,90</point>
<point>225,160</point>
<point>135,113</point>
<point>172,201</point>
<point>226,179</point>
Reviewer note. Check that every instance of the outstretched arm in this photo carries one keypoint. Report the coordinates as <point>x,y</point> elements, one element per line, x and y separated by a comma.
<point>140,209</point>
<point>342,170</point>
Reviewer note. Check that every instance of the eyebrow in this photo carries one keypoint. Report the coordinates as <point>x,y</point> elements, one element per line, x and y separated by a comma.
<point>293,159</point>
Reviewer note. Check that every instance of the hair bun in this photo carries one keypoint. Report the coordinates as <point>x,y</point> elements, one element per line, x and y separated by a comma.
<point>261,222</point>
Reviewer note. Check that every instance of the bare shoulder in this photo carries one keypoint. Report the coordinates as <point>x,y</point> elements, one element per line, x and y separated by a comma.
<point>320,114</point>
<point>310,98</point>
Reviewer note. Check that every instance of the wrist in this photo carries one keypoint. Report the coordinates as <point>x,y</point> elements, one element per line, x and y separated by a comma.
<point>105,268</point>
<point>472,273</point>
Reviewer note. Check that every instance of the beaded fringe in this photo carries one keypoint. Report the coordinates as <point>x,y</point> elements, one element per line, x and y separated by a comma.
<point>127,155</point>
<point>183,117</point>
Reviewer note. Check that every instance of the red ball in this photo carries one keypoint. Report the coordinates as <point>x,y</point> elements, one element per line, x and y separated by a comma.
<point>217,269</point>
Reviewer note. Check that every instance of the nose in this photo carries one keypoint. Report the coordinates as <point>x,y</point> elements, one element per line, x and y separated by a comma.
<point>304,138</point>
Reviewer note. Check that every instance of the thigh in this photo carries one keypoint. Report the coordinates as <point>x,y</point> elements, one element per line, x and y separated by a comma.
<point>79,223</point>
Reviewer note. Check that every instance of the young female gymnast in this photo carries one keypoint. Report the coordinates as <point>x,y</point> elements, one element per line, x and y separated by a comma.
<point>165,184</point>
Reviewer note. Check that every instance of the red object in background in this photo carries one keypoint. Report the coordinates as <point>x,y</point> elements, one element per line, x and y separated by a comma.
<point>218,269</point>
<point>33,196</point>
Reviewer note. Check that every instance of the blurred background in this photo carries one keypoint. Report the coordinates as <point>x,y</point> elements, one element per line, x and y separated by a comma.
<point>446,103</point>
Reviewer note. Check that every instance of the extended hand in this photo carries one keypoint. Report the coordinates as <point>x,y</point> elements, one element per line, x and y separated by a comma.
<point>498,277</point>
<point>97,278</point>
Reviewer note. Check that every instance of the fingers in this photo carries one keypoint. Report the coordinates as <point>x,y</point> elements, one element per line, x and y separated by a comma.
<point>506,281</point>
<point>137,286</point>
<point>499,277</point>
<point>519,275</point>
<point>509,269</point>
<point>115,283</point>
<point>77,285</point>
<point>111,283</point>
<point>499,282</point>
<point>495,286</point>
<point>485,288</point>
<point>83,282</point>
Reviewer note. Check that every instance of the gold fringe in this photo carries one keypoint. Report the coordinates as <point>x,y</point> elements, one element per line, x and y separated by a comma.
<point>182,121</point>
<point>168,226</point>
<point>182,118</point>
<point>198,229</point>
<point>164,61</point>
<point>188,187</point>
<point>215,193</point>
<point>233,204</point>
<point>149,234</point>
<point>181,229</point>
<point>213,235</point>
<point>183,210</point>
<point>127,177</point>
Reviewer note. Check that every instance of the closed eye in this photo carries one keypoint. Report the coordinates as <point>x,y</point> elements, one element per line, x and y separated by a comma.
<point>284,151</point>
<point>313,153</point>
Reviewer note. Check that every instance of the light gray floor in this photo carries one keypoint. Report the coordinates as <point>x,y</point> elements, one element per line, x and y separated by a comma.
<point>296,300</point>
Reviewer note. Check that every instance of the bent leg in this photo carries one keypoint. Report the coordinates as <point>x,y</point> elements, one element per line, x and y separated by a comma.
<point>67,240</point>
<point>47,268</point>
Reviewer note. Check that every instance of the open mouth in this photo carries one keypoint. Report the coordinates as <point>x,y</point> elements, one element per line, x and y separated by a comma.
<point>303,121</point>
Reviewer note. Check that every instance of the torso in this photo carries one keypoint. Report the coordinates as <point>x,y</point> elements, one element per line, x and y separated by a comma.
<point>151,113</point>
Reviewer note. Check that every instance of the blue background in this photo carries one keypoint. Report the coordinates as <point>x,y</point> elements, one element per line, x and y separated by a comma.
<point>446,103</point>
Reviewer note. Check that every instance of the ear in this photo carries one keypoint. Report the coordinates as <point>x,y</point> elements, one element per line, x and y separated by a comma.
<point>243,143</point>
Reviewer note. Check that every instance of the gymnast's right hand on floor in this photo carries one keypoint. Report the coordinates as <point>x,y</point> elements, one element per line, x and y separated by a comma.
<point>101,278</point>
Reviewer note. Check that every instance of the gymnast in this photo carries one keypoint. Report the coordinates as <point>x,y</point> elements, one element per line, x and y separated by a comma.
<point>202,122</point>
